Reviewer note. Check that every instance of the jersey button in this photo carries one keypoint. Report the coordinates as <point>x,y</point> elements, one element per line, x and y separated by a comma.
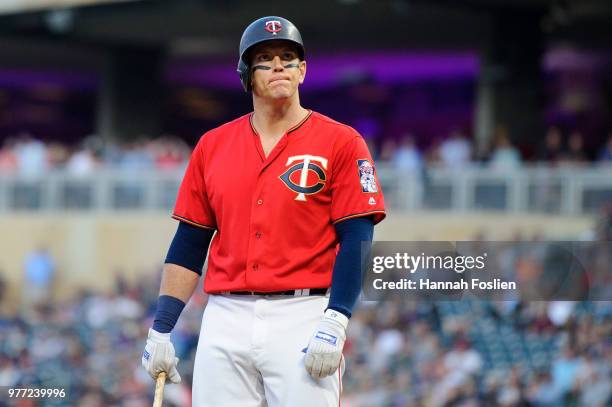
<point>257,235</point>
<point>259,202</point>
<point>255,266</point>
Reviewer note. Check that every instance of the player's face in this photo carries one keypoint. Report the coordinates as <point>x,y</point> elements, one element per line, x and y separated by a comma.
<point>279,81</point>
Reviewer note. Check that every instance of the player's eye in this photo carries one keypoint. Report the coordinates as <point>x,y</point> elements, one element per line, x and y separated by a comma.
<point>289,56</point>
<point>264,57</point>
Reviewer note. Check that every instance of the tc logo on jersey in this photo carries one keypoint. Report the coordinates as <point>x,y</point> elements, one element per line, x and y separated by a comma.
<point>303,187</point>
<point>366,176</point>
<point>273,26</point>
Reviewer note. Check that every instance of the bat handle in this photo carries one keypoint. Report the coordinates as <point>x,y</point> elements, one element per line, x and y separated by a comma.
<point>159,389</point>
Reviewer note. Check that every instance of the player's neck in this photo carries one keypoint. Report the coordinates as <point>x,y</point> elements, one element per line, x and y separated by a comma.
<point>273,118</point>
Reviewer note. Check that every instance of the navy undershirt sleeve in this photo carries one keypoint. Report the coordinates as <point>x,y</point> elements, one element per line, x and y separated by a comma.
<point>347,277</point>
<point>189,247</point>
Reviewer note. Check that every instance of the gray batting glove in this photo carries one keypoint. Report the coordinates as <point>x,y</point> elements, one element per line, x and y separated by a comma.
<point>324,351</point>
<point>158,356</point>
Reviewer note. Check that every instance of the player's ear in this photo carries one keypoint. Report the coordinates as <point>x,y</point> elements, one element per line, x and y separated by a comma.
<point>302,71</point>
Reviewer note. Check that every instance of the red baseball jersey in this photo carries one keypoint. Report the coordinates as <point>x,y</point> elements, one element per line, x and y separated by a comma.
<point>275,215</point>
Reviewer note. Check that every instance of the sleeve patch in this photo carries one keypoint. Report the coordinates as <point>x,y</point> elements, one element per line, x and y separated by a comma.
<point>366,176</point>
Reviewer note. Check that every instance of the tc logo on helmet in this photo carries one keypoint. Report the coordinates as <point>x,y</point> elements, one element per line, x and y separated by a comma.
<point>302,187</point>
<point>273,26</point>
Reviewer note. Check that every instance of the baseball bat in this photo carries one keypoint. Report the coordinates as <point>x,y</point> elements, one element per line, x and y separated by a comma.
<point>159,389</point>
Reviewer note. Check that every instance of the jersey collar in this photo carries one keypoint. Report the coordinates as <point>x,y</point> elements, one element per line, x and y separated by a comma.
<point>294,128</point>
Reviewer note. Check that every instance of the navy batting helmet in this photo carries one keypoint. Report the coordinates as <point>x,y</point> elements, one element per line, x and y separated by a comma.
<point>265,29</point>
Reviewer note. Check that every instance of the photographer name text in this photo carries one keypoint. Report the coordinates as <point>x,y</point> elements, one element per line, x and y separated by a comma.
<point>427,284</point>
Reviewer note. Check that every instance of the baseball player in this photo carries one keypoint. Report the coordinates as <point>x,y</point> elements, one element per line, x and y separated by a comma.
<point>287,196</point>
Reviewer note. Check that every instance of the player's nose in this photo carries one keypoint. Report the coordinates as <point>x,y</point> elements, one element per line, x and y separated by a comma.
<point>277,64</point>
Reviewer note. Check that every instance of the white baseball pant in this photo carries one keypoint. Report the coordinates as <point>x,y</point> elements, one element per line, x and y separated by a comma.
<point>250,354</point>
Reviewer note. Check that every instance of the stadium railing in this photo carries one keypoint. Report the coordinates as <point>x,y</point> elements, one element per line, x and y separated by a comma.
<point>563,191</point>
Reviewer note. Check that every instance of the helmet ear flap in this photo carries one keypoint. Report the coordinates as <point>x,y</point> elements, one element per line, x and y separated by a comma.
<point>245,75</point>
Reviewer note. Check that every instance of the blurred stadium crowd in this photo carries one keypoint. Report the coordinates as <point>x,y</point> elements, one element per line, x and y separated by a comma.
<point>456,150</point>
<point>27,155</point>
<point>399,353</point>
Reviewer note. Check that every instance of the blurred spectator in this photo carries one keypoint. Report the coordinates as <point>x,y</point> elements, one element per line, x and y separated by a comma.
<point>593,381</point>
<point>462,360</point>
<point>9,373</point>
<point>603,228</point>
<point>559,312</point>
<point>505,156</point>
<point>135,155</point>
<point>407,157</point>
<point>542,392</point>
<point>31,155</point>
<point>8,158</point>
<point>552,150</point>
<point>57,155</point>
<point>387,345</point>
<point>40,271</point>
<point>605,154</point>
<point>169,152</point>
<point>82,163</point>
<point>564,372</point>
<point>387,150</point>
<point>512,393</point>
<point>459,366</point>
<point>575,150</point>
<point>455,152</point>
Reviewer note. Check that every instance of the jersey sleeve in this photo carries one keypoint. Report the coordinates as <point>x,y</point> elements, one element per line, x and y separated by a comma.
<point>355,189</point>
<point>192,205</point>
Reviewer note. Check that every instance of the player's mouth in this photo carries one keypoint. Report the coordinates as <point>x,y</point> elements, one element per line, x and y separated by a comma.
<point>279,79</point>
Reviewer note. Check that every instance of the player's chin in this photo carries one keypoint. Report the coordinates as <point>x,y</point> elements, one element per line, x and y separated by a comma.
<point>281,93</point>
<point>282,87</point>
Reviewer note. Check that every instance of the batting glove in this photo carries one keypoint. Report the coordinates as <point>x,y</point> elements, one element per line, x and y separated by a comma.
<point>158,356</point>
<point>324,350</point>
